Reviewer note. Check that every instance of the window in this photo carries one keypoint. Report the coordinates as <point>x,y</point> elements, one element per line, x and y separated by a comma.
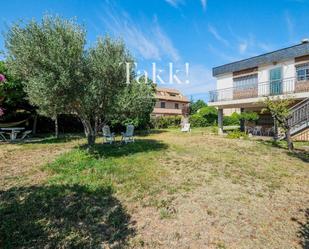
<point>302,72</point>
<point>176,106</point>
<point>173,94</point>
<point>162,104</point>
<point>245,82</point>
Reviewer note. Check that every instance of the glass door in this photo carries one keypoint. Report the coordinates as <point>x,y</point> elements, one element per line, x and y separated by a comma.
<point>275,81</point>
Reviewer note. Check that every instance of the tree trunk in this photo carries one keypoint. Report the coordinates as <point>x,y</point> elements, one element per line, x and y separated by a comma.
<point>89,132</point>
<point>289,140</point>
<point>35,121</point>
<point>56,127</point>
<point>276,132</point>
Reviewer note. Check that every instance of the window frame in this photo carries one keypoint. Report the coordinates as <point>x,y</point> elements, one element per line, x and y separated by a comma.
<point>239,83</point>
<point>162,105</point>
<point>302,67</point>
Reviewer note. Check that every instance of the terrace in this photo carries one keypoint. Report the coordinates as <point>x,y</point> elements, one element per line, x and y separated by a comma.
<point>252,92</point>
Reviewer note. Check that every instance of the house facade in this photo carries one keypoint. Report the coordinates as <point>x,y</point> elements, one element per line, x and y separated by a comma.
<point>170,102</point>
<point>245,84</point>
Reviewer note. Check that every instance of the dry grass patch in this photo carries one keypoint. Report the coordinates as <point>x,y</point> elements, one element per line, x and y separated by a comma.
<point>175,190</point>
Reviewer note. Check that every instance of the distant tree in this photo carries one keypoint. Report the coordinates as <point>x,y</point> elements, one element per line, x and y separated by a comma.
<point>280,111</point>
<point>209,113</point>
<point>196,105</point>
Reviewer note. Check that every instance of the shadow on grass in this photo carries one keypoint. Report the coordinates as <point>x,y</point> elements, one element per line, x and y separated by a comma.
<point>297,153</point>
<point>303,232</point>
<point>121,149</point>
<point>300,154</point>
<point>48,139</point>
<point>62,217</point>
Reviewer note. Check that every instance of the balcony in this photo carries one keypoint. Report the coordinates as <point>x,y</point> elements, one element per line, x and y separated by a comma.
<point>262,89</point>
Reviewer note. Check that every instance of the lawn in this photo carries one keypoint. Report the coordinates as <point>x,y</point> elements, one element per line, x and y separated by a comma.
<point>167,190</point>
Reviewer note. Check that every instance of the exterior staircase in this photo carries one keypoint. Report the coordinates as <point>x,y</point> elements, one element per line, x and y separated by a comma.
<point>299,121</point>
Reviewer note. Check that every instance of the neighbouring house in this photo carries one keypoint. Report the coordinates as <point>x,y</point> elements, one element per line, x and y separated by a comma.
<point>170,102</point>
<point>245,84</point>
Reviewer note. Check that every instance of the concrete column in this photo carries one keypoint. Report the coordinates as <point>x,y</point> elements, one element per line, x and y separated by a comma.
<point>220,121</point>
<point>242,122</point>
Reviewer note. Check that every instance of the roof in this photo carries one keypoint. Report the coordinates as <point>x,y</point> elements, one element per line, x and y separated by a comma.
<point>275,56</point>
<point>169,90</point>
<point>165,96</point>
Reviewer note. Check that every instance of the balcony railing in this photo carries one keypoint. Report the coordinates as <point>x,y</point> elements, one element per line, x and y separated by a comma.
<point>262,89</point>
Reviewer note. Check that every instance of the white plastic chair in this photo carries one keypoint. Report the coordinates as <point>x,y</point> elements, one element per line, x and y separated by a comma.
<point>108,136</point>
<point>186,128</point>
<point>128,136</point>
<point>257,130</point>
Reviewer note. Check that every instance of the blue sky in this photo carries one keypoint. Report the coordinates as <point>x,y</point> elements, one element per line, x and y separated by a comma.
<point>203,33</point>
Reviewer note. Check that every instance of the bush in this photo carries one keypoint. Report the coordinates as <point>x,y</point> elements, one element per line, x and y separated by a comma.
<point>249,116</point>
<point>196,120</point>
<point>237,134</point>
<point>234,119</point>
<point>165,122</point>
<point>206,116</point>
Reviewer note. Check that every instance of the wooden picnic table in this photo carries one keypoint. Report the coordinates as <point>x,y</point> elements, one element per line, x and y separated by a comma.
<point>13,131</point>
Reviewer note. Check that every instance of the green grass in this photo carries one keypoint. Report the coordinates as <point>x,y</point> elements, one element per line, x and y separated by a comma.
<point>131,170</point>
<point>82,199</point>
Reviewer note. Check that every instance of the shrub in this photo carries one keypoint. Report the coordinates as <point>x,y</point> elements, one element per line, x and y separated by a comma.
<point>237,134</point>
<point>206,116</point>
<point>165,122</point>
<point>196,120</point>
<point>249,116</point>
<point>234,119</point>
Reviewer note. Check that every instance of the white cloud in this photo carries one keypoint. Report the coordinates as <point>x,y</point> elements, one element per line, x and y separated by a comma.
<point>174,3</point>
<point>200,83</point>
<point>289,26</point>
<point>204,4</point>
<point>243,47</point>
<point>150,43</point>
<point>216,34</point>
<point>165,43</point>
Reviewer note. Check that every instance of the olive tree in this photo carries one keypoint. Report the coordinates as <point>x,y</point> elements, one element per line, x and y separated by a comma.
<point>279,109</point>
<point>48,58</point>
<point>61,76</point>
<point>105,75</point>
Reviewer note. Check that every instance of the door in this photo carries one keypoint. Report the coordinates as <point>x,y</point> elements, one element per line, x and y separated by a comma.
<point>275,81</point>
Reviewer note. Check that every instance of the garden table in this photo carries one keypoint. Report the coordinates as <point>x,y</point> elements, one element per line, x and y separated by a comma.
<point>13,131</point>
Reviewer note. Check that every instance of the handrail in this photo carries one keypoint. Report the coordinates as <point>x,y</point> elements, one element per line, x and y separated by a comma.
<point>262,89</point>
<point>300,114</point>
<point>294,107</point>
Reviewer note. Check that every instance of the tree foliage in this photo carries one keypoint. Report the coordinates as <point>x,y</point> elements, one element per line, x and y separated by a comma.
<point>61,76</point>
<point>205,116</point>
<point>12,95</point>
<point>134,104</point>
<point>279,108</point>
<point>196,105</point>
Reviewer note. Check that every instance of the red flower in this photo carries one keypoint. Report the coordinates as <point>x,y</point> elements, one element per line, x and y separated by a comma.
<point>2,77</point>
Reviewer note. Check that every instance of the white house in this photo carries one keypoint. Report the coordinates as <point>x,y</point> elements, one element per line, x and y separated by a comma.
<point>245,84</point>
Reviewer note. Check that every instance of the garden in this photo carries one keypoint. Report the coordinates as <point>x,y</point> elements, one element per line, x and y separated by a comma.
<point>167,189</point>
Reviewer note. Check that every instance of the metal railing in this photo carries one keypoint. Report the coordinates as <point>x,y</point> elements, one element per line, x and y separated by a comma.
<point>262,89</point>
<point>299,116</point>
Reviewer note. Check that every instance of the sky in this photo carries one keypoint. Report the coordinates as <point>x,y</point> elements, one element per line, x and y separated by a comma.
<point>193,35</point>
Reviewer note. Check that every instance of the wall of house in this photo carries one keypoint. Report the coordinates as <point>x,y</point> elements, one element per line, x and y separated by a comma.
<point>223,82</point>
<point>169,104</point>
<point>288,71</point>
